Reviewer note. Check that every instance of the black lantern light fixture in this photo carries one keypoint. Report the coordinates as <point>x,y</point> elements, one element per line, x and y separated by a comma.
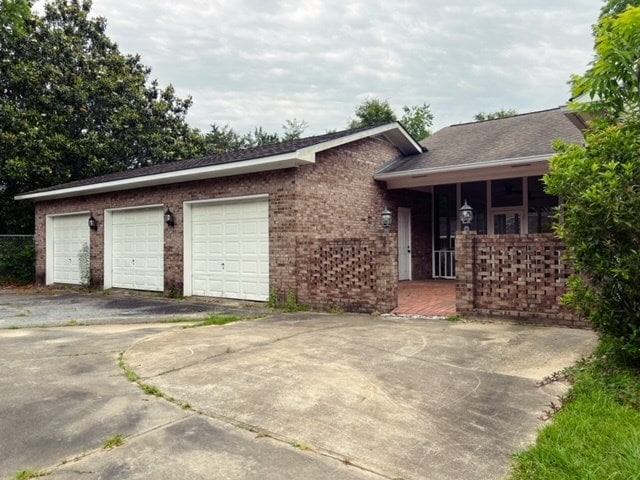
<point>466,215</point>
<point>168,218</point>
<point>385,218</point>
<point>93,223</point>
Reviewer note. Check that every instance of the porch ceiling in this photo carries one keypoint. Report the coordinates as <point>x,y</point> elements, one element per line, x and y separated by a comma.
<point>520,167</point>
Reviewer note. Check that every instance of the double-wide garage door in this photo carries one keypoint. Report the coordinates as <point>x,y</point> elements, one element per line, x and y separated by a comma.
<point>230,249</point>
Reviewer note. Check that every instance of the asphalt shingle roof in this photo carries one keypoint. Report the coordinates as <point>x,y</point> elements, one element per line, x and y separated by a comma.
<point>224,158</point>
<point>525,135</point>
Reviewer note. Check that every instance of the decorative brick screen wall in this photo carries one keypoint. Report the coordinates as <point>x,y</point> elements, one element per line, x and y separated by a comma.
<point>516,276</point>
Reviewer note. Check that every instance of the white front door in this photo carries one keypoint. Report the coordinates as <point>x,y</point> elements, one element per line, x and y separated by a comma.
<point>70,242</point>
<point>230,250</point>
<point>137,244</point>
<point>404,243</point>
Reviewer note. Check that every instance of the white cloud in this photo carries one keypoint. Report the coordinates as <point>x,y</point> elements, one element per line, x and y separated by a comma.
<point>257,63</point>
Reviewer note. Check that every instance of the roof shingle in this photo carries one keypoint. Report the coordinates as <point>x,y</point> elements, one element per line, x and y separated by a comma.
<point>520,136</point>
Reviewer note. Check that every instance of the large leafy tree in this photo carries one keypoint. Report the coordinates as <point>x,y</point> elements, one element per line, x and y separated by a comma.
<point>599,185</point>
<point>372,111</point>
<point>73,106</point>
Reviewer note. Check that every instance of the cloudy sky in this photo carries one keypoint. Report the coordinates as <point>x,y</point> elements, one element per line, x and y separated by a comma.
<point>259,62</point>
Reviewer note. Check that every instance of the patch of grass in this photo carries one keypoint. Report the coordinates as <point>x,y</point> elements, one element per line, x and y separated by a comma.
<point>219,320</point>
<point>596,434</point>
<point>147,388</point>
<point>301,446</point>
<point>454,318</point>
<point>24,313</point>
<point>131,375</point>
<point>113,442</point>
<point>71,323</point>
<point>27,474</point>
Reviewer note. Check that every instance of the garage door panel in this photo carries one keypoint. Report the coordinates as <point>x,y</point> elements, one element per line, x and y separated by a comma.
<point>138,249</point>
<point>237,236</point>
<point>70,238</point>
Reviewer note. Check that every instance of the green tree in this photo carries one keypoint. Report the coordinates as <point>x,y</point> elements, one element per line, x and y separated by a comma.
<point>613,81</point>
<point>13,16</point>
<point>372,111</point>
<point>417,120</point>
<point>614,7</point>
<point>293,129</point>
<point>599,185</point>
<point>72,106</point>
<point>222,139</point>
<point>502,113</point>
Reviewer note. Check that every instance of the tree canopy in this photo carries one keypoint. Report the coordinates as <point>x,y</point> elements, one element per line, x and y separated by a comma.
<point>502,113</point>
<point>613,81</point>
<point>73,106</point>
<point>415,119</point>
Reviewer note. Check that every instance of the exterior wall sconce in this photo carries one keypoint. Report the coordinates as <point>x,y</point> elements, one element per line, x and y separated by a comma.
<point>385,219</point>
<point>466,215</point>
<point>93,223</point>
<point>168,218</point>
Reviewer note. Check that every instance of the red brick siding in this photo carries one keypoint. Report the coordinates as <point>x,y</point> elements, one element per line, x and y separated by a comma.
<point>516,276</point>
<point>315,211</point>
<point>344,258</point>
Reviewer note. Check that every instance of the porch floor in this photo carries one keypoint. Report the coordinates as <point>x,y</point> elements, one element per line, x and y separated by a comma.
<point>435,298</point>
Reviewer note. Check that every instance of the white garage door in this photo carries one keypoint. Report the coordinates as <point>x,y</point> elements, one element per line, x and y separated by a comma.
<point>70,244</point>
<point>137,245</point>
<point>230,250</point>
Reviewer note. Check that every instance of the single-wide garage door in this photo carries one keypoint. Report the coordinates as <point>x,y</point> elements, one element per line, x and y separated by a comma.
<point>230,250</point>
<point>70,248</point>
<point>137,244</point>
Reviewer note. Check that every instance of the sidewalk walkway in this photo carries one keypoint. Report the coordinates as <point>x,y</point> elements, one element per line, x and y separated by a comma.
<point>435,298</point>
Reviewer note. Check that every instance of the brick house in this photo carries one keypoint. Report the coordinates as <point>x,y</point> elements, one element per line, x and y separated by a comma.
<point>303,218</point>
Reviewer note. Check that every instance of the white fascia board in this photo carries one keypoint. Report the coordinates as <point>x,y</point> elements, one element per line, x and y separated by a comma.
<point>394,132</point>
<point>423,172</point>
<point>466,173</point>
<point>224,170</point>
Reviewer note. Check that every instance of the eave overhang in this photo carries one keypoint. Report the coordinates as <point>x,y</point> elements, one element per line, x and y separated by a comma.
<point>393,133</point>
<point>467,172</point>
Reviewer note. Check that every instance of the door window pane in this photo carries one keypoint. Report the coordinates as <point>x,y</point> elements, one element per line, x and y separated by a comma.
<point>504,223</point>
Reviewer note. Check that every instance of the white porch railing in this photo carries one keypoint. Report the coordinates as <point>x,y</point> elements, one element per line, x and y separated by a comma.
<point>444,264</point>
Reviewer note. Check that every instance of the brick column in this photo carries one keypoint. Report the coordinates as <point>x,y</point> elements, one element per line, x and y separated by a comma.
<point>465,272</point>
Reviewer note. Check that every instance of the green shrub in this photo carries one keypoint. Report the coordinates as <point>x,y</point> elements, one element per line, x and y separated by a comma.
<point>17,260</point>
<point>600,188</point>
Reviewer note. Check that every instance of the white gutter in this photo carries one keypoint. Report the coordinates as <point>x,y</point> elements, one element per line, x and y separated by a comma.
<point>211,171</point>
<point>423,172</point>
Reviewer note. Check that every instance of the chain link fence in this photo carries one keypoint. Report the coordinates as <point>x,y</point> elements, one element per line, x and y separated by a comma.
<point>17,259</point>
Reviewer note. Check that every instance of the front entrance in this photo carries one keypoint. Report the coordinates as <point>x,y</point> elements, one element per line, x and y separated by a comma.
<point>404,243</point>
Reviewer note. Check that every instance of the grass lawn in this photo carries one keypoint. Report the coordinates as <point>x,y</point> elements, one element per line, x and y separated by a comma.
<point>596,435</point>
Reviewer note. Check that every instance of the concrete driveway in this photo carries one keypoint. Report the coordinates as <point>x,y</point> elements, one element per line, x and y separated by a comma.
<point>288,396</point>
<point>47,307</point>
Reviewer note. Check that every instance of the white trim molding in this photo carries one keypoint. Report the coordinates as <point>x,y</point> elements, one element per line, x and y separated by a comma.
<point>392,132</point>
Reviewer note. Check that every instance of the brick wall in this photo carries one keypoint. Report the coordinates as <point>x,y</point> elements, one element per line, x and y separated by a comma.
<point>517,276</point>
<point>344,258</point>
<point>326,244</point>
